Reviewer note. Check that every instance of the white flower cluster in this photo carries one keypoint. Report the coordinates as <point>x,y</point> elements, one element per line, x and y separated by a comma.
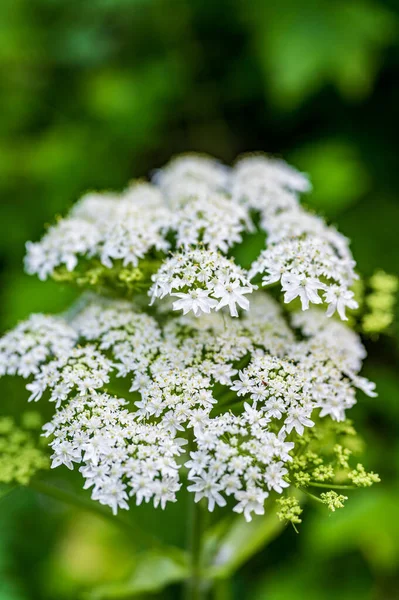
<point>143,394</point>
<point>203,280</point>
<point>306,255</point>
<point>240,391</point>
<point>308,263</point>
<point>213,220</point>
<point>238,457</point>
<point>134,338</point>
<point>193,205</point>
<point>260,181</point>
<point>106,226</point>
<point>81,370</point>
<point>119,456</point>
<point>191,175</point>
<point>34,341</point>
<point>62,245</point>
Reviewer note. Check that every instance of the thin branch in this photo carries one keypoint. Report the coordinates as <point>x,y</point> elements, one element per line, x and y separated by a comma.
<point>311,495</point>
<point>332,486</point>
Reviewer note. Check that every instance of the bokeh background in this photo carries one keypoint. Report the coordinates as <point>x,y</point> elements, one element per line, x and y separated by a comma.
<point>95,93</point>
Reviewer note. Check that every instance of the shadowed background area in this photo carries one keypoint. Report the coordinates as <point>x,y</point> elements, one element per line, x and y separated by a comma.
<point>95,93</point>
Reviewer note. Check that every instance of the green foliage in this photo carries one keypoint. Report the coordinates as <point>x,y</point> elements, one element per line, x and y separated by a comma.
<point>20,454</point>
<point>338,175</point>
<point>334,42</point>
<point>233,541</point>
<point>363,519</point>
<point>380,303</point>
<point>152,573</point>
<point>118,280</point>
<point>324,454</point>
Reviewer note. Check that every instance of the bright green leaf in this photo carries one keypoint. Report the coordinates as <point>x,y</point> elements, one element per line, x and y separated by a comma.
<point>302,50</point>
<point>234,541</point>
<point>152,573</point>
<point>338,176</point>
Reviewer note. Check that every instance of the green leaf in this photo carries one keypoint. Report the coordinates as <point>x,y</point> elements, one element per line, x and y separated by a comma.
<point>300,51</point>
<point>153,571</point>
<point>338,176</point>
<point>232,542</point>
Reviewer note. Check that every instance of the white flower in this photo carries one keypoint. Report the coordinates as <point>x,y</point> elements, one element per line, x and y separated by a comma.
<point>121,454</point>
<point>111,493</point>
<point>298,419</point>
<point>304,287</point>
<point>275,407</point>
<point>196,300</point>
<point>62,244</point>
<point>33,342</point>
<point>191,175</point>
<point>65,454</point>
<point>333,407</point>
<point>274,477</point>
<point>243,385</point>
<point>206,487</point>
<point>231,294</point>
<point>302,246</point>
<point>249,501</point>
<point>365,385</point>
<point>338,299</point>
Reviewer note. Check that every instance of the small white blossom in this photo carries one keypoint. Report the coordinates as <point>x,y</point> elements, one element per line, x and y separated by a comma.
<point>196,300</point>
<point>298,419</point>
<point>338,300</point>
<point>250,501</point>
<point>205,487</point>
<point>62,245</point>
<point>306,288</point>
<point>231,294</point>
<point>118,453</point>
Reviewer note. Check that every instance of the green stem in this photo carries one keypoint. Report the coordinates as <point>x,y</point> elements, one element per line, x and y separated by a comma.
<point>311,495</point>
<point>67,497</point>
<point>194,589</point>
<point>332,486</point>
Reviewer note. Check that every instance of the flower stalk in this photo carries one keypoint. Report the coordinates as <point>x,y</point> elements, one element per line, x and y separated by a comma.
<point>195,588</point>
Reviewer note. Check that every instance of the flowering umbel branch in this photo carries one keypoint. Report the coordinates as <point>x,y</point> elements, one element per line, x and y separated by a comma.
<point>197,351</point>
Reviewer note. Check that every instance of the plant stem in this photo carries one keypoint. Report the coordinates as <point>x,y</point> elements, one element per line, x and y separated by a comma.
<point>194,589</point>
<point>332,486</point>
<point>311,495</point>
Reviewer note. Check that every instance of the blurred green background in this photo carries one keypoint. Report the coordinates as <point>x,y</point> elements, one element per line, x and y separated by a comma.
<point>94,93</point>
